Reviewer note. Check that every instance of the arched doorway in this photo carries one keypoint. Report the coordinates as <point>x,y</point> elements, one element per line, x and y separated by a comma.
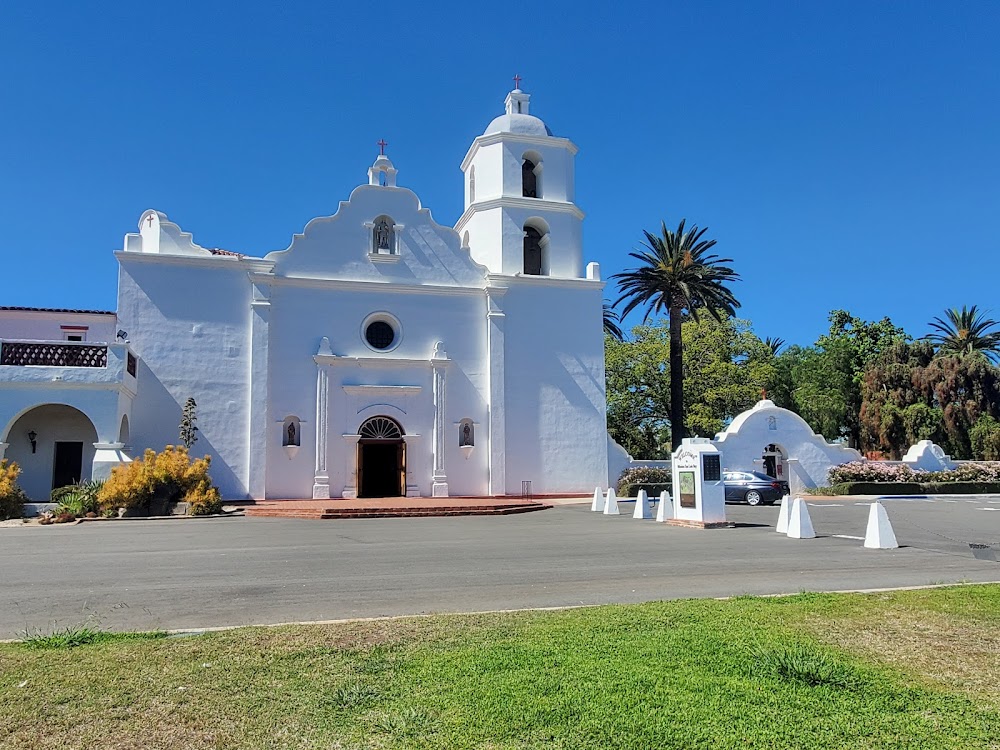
<point>381,458</point>
<point>775,462</point>
<point>54,446</point>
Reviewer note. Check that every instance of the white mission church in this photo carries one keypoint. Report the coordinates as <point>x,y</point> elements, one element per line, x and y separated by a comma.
<point>379,354</point>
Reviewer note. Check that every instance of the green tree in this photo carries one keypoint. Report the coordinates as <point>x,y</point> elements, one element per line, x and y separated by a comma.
<point>822,383</point>
<point>966,331</point>
<point>679,276</point>
<point>964,388</point>
<point>911,394</point>
<point>725,370</point>
<point>895,412</point>
<point>638,390</point>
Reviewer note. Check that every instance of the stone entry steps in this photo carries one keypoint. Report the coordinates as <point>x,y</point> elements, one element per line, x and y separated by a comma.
<point>392,508</point>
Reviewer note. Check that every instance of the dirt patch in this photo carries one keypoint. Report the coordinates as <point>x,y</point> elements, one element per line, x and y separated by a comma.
<point>960,654</point>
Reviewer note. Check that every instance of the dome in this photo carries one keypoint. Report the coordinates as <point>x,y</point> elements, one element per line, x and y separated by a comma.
<point>519,124</point>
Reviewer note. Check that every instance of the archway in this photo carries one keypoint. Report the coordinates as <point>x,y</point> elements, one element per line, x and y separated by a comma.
<point>123,432</point>
<point>775,462</point>
<point>381,458</point>
<point>54,446</point>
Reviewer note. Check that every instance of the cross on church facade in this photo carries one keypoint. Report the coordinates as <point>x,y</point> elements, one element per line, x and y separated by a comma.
<point>150,219</point>
<point>517,81</point>
<point>382,143</point>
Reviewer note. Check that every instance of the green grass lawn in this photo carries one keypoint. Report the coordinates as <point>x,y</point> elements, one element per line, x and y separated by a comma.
<point>915,669</point>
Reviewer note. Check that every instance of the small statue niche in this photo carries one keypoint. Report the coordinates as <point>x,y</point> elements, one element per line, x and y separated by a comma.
<point>383,236</point>
<point>291,434</point>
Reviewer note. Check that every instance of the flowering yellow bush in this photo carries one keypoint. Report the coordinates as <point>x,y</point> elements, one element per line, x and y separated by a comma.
<point>12,497</point>
<point>169,476</point>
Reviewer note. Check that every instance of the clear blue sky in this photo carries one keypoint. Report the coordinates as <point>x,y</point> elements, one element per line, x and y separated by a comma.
<point>844,154</point>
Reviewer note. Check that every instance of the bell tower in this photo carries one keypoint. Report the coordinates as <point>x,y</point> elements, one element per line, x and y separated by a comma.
<point>520,218</point>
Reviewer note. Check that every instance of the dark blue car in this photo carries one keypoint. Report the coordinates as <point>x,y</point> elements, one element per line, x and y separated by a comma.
<point>753,488</point>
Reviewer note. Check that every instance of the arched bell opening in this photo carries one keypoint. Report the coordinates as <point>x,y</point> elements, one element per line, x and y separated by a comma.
<point>381,458</point>
<point>536,247</point>
<point>531,175</point>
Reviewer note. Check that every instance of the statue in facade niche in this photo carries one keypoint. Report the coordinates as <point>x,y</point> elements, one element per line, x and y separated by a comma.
<point>291,434</point>
<point>382,235</point>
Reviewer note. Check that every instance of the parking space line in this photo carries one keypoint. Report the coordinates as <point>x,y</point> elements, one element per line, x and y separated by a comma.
<point>848,536</point>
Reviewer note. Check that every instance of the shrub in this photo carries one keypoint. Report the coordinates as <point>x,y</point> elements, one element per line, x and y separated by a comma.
<point>653,479</point>
<point>169,476</point>
<point>985,438</point>
<point>12,497</point>
<point>875,488</point>
<point>865,471</point>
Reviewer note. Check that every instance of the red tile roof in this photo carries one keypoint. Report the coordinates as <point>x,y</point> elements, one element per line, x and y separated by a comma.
<point>55,310</point>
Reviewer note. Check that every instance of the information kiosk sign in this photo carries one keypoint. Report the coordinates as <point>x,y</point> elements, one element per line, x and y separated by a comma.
<point>697,477</point>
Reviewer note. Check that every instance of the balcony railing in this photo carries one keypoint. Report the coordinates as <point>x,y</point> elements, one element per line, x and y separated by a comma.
<point>66,354</point>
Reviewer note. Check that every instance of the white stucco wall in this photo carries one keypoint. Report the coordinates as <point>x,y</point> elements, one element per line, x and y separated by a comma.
<point>810,456</point>
<point>188,319</point>
<point>555,393</point>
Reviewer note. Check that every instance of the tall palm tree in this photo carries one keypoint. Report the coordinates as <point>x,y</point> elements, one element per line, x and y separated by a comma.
<point>966,331</point>
<point>677,274</point>
<point>611,321</point>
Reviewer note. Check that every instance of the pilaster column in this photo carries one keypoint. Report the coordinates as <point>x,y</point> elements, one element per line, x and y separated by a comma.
<point>351,485</point>
<point>321,481</point>
<point>439,362</point>
<point>261,431</point>
<point>412,489</point>
<point>498,414</point>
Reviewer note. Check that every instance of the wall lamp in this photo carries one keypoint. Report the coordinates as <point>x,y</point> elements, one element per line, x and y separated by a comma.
<point>31,439</point>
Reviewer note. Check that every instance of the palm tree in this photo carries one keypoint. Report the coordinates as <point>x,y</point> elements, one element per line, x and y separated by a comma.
<point>966,331</point>
<point>611,321</point>
<point>677,274</point>
<point>774,345</point>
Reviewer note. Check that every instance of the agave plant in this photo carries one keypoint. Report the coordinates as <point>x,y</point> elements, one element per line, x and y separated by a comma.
<point>78,499</point>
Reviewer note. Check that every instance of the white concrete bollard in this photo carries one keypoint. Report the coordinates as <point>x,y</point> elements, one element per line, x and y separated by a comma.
<point>799,523</point>
<point>665,510</point>
<point>611,506</point>
<point>879,534</point>
<point>598,504</point>
<point>786,506</point>
<point>642,506</point>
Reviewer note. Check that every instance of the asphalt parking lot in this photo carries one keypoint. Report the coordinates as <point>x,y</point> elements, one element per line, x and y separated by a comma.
<point>236,571</point>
